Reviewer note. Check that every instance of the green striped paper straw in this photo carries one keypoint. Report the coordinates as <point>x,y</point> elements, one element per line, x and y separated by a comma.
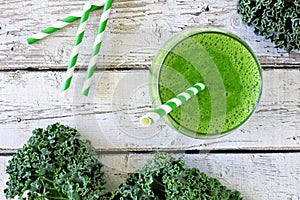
<point>170,105</point>
<point>62,23</point>
<point>77,43</point>
<point>96,47</point>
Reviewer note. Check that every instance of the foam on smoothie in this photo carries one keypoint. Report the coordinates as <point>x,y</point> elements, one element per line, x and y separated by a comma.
<point>237,92</point>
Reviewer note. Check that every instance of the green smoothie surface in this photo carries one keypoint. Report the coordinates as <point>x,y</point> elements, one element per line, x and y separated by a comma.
<point>232,76</point>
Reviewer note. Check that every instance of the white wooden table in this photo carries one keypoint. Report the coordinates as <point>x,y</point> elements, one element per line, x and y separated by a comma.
<point>261,159</point>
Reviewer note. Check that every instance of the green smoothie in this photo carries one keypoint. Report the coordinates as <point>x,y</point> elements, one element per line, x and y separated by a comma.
<point>225,64</point>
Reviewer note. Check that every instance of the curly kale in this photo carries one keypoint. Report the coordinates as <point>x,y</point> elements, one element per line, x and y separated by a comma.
<point>55,164</point>
<point>167,178</point>
<point>277,20</point>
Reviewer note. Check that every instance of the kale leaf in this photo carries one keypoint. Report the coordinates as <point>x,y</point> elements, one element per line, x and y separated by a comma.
<point>55,164</point>
<point>167,178</point>
<point>277,20</point>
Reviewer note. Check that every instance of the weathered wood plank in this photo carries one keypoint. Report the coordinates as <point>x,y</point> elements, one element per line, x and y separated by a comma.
<point>256,176</point>
<point>110,115</point>
<point>135,32</point>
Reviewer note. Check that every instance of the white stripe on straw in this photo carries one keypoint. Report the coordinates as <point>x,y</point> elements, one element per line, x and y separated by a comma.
<point>57,25</point>
<point>170,105</point>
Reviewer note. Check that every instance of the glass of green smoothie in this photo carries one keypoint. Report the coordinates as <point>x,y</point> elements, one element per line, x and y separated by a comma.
<point>228,68</point>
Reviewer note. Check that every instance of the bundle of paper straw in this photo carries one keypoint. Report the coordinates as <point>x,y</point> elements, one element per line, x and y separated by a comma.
<point>83,15</point>
<point>62,23</point>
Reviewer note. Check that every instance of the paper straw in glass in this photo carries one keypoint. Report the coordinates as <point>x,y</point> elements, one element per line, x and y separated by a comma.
<point>170,105</point>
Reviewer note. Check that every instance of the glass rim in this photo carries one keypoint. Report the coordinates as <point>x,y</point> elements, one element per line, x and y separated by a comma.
<point>155,78</point>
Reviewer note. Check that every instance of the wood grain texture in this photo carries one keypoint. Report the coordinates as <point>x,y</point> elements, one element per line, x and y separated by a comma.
<point>31,78</point>
<point>135,32</point>
<point>256,176</point>
<point>109,117</point>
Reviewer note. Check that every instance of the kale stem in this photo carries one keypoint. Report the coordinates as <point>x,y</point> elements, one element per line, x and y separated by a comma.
<point>48,180</point>
<point>158,185</point>
<point>60,198</point>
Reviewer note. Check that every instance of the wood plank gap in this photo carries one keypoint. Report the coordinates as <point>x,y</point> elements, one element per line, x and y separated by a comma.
<point>193,152</point>
<point>267,68</point>
<point>30,69</point>
<point>43,69</point>
<point>238,151</point>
